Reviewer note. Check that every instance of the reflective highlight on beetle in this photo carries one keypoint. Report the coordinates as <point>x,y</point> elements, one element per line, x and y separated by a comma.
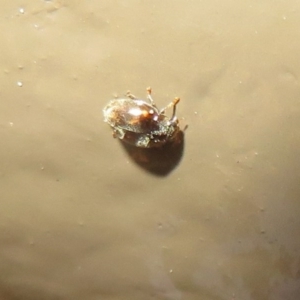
<point>141,123</point>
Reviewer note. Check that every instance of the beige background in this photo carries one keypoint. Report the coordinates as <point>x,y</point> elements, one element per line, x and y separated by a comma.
<point>80,220</point>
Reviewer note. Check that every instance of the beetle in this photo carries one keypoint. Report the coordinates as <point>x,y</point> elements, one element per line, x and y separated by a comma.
<point>141,123</point>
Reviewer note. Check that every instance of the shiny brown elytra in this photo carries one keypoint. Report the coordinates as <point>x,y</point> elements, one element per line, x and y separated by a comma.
<point>141,123</point>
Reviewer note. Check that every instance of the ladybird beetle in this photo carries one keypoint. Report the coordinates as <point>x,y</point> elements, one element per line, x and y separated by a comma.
<point>141,123</point>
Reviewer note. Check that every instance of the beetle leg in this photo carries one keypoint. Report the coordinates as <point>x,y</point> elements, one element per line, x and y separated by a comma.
<point>129,95</point>
<point>118,133</point>
<point>143,142</point>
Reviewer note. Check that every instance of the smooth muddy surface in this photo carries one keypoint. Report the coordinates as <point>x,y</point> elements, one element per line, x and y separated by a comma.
<point>81,218</point>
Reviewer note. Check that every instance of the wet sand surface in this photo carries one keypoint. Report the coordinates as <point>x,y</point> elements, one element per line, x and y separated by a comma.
<point>80,219</point>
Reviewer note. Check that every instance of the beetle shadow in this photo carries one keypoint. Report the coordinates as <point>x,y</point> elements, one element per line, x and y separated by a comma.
<point>159,161</point>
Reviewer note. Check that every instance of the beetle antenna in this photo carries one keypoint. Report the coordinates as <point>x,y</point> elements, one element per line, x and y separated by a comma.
<point>129,95</point>
<point>149,97</point>
<point>173,103</point>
